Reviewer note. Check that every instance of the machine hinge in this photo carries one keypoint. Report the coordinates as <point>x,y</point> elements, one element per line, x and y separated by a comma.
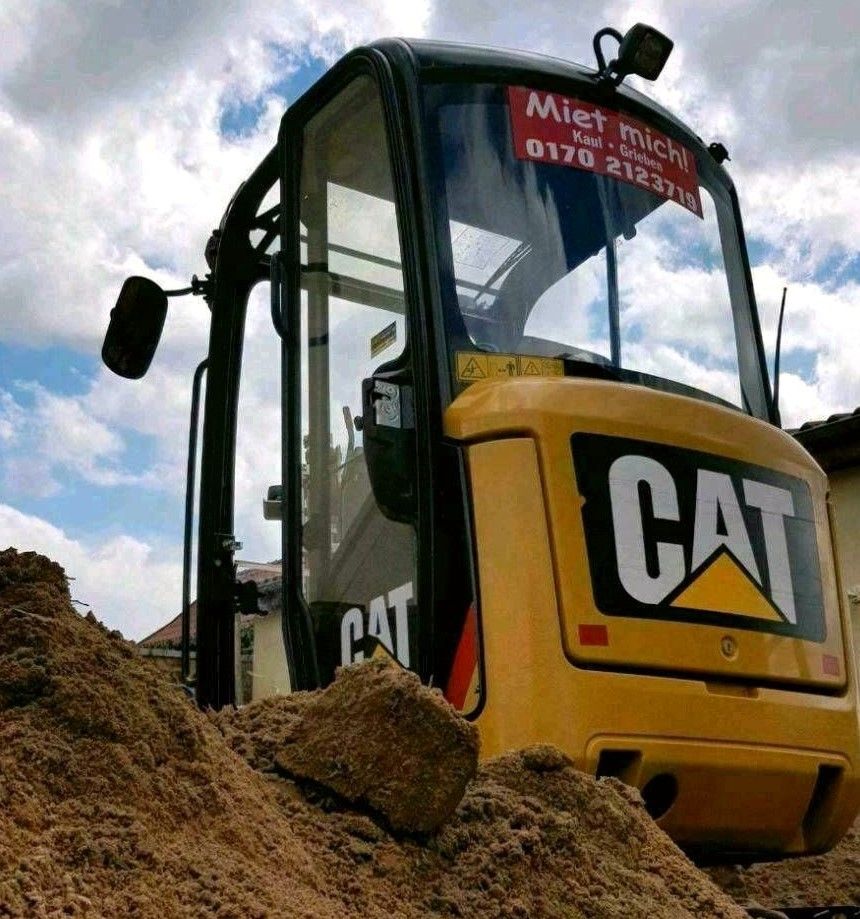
<point>386,404</point>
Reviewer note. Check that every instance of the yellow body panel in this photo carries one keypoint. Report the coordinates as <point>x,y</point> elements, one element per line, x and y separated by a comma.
<point>767,765</point>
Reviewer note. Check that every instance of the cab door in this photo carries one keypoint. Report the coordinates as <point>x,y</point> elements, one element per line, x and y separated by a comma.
<point>351,586</point>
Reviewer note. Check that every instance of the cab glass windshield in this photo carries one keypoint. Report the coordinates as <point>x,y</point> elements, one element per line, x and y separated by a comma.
<point>581,234</point>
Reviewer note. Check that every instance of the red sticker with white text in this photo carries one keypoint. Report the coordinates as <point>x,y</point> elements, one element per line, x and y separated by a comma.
<point>554,128</point>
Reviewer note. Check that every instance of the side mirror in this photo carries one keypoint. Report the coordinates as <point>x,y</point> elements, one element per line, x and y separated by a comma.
<point>388,431</point>
<point>135,328</point>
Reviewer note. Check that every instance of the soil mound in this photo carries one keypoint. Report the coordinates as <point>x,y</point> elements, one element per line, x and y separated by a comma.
<point>555,843</point>
<point>117,797</point>
<point>822,880</point>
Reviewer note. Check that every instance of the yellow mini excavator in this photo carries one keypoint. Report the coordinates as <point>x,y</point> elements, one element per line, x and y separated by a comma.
<point>530,449</point>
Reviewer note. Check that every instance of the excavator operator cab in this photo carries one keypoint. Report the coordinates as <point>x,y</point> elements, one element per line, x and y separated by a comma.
<point>529,446</point>
<point>484,225</point>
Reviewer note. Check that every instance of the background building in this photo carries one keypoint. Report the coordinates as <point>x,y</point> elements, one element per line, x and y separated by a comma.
<point>835,443</point>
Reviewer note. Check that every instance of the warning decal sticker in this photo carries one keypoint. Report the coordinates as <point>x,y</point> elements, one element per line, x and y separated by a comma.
<point>479,365</point>
<point>554,128</point>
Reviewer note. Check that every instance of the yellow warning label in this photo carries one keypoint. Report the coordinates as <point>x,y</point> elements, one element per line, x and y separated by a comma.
<point>502,365</point>
<point>723,587</point>
<point>471,367</point>
<point>478,365</point>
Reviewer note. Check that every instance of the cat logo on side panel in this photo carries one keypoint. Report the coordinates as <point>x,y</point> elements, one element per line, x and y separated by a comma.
<point>679,534</point>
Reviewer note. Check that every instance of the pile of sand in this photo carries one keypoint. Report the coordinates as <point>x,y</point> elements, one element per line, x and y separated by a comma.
<point>118,798</point>
<point>375,737</point>
<point>831,879</point>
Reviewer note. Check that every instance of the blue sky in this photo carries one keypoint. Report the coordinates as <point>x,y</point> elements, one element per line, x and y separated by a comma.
<point>122,138</point>
<point>241,118</point>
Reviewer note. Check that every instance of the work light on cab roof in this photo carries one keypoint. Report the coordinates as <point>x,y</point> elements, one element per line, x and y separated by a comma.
<point>643,51</point>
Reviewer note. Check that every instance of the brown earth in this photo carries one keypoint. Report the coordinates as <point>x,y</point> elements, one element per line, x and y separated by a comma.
<point>118,798</point>
<point>822,880</point>
<point>375,736</point>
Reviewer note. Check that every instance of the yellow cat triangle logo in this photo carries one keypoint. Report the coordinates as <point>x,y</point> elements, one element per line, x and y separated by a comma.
<point>378,651</point>
<point>723,586</point>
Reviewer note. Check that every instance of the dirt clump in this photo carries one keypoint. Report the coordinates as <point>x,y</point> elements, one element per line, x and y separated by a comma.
<point>819,880</point>
<point>119,798</point>
<point>375,736</point>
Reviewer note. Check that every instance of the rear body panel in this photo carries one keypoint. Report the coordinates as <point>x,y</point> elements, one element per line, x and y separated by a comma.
<point>758,728</point>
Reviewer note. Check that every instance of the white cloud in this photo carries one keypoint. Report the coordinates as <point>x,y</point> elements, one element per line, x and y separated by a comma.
<point>789,70</point>
<point>130,585</point>
<point>109,139</point>
<point>801,401</point>
<point>51,438</point>
<point>12,419</point>
<point>809,212</point>
<point>258,433</point>
<point>820,330</point>
<point>666,361</point>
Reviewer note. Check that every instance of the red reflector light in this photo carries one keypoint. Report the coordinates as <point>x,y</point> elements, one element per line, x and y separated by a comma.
<point>593,635</point>
<point>830,664</point>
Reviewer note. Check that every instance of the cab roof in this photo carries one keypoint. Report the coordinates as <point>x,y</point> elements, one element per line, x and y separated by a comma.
<point>442,60</point>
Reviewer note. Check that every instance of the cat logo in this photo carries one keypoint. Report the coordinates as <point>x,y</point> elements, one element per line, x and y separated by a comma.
<point>679,534</point>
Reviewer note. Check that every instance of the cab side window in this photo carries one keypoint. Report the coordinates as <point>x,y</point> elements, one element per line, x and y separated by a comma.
<point>358,566</point>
